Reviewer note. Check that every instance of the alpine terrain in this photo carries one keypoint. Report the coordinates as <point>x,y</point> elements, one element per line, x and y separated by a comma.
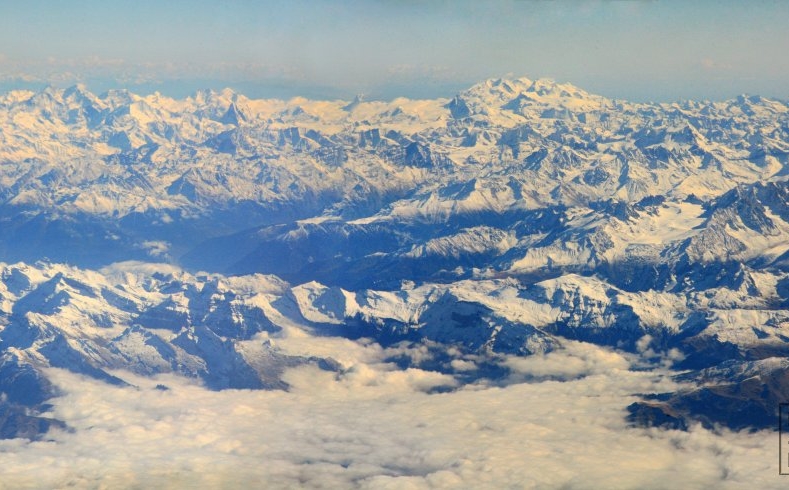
<point>151,235</point>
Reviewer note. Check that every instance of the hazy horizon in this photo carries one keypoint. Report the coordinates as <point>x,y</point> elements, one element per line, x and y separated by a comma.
<point>635,50</point>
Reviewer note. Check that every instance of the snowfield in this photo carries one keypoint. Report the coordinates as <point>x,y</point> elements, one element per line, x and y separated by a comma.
<point>513,286</point>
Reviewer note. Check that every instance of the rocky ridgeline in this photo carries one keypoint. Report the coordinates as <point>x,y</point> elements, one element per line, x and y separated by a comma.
<point>501,221</point>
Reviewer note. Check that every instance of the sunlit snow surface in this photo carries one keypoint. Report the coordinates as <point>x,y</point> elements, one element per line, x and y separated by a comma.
<point>398,294</point>
<point>552,420</point>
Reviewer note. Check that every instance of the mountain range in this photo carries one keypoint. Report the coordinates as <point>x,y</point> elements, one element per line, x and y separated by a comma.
<point>156,235</point>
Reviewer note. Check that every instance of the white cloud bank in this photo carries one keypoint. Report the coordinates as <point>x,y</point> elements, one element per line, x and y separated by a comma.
<point>377,427</point>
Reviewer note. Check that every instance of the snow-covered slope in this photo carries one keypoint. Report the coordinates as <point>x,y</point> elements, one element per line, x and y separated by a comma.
<point>220,162</point>
<point>500,221</point>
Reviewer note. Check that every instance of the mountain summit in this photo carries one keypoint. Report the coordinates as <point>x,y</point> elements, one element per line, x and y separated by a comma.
<point>507,220</point>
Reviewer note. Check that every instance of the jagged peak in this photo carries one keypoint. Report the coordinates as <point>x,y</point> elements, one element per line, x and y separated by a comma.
<point>512,95</point>
<point>118,97</point>
<point>47,95</point>
<point>77,88</point>
<point>498,86</point>
<point>354,104</point>
<point>211,97</point>
<point>233,115</point>
<point>16,96</point>
<point>228,93</point>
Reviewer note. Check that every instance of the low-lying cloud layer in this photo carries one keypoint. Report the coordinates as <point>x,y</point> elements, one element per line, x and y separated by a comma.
<point>374,426</point>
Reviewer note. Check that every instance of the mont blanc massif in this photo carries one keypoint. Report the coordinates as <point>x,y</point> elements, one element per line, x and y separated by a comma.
<point>222,241</point>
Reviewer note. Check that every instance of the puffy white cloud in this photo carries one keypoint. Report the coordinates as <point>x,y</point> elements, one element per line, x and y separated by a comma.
<point>577,359</point>
<point>156,248</point>
<point>374,426</point>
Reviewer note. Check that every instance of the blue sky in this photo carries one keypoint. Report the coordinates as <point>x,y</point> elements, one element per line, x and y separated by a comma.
<point>641,50</point>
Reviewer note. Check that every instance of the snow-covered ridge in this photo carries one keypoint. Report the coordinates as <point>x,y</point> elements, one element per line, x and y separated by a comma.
<point>120,152</point>
<point>223,163</point>
<point>503,220</point>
